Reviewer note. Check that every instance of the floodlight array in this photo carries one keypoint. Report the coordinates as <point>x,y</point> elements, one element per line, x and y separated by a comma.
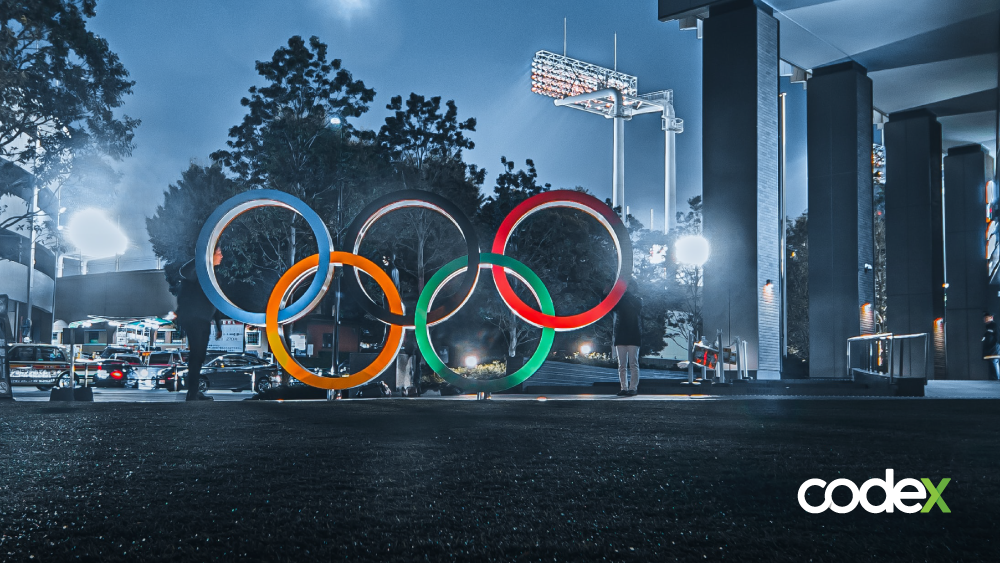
<point>559,77</point>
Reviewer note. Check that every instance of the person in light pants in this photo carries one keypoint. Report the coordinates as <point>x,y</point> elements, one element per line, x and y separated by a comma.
<point>627,336</point>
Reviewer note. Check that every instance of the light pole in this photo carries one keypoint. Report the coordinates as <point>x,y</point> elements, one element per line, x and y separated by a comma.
<point>59,256</point>
<point>26,328</point>
<point>337,123</point>
<point>693,250</point>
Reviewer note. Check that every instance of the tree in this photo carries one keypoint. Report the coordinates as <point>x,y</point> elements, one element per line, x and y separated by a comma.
<point>60,85</point>
<point>878,182</point>
<point>286,141</point>
<point>683,315</point>
<point>425,148</point>
<point>797,286</point>
<point>420,132</point>
<point>174,227</point>
<point>511,189</point>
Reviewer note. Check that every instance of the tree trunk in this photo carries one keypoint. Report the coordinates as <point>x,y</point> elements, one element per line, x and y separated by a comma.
<point>421,242</point>
<point>512,348</point>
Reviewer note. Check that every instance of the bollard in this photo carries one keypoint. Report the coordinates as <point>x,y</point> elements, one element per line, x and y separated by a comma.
<point>690,380</point>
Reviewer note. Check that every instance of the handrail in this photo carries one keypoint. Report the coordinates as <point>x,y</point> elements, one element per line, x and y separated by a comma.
<point>890,339</point>
<point>871,336</point>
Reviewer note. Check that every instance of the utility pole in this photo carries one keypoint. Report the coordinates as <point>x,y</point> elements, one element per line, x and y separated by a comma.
<point>32,234</point>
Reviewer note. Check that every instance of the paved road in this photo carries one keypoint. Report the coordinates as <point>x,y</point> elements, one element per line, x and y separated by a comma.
<point>934,390</point>
<point>503,481</point>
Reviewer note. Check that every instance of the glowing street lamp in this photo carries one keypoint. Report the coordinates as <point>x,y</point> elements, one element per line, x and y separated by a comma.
<point>471,362</point>
<point>586,349</point>
<point>691,250</point>
<point>94,235</point>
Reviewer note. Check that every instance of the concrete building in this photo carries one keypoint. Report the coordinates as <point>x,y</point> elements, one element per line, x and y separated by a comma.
<point>16,191</point>
<point>930,76</point>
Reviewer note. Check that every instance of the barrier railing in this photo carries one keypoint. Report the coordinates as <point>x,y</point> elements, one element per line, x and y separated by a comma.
<point>887,353</point>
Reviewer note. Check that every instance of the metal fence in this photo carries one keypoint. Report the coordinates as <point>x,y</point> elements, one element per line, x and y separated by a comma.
<point>892,355</point>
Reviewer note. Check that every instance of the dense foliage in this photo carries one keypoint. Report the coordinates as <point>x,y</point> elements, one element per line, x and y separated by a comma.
<point>61,87</point>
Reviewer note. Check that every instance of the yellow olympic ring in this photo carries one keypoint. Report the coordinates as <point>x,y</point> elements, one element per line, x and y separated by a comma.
<point>282,291</point>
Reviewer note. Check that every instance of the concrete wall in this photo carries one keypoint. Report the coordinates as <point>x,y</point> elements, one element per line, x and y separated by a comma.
<point>138,293</point>
<point>966,171</point>
<point>740,180</point>
<point>841,239</point>
<point>15,249</point>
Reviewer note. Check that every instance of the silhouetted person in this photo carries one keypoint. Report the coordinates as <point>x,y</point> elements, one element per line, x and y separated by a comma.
<point>627,336</point>
<point>195,314</point>
<point>991,347</point>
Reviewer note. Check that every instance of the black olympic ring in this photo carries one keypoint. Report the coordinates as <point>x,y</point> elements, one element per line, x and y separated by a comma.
<point>402,200</point>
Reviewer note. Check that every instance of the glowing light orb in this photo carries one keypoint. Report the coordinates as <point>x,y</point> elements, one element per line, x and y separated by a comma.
<point>95,235</point>
<point>586,349</point>
<point>471,361</point>
<point>691,250</point>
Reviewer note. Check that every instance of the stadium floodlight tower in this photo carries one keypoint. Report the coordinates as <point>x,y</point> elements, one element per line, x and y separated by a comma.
<point>613,95</point>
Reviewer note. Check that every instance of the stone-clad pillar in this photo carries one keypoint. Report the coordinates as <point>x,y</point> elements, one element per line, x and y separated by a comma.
<point>966,171</point>
<point>914,233</point>
<point>740,180</point>
<point>841,245</point>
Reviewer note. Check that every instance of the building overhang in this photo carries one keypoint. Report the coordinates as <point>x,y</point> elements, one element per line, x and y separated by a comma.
<point>920,54</point>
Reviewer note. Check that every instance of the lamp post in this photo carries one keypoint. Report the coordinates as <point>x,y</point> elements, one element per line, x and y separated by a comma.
<point>693,250</point>
<point>336,122</point>
<point>26,328</point>
<point>59,256</point>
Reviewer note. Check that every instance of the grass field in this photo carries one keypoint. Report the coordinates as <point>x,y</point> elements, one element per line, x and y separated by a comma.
<point>416,480</point>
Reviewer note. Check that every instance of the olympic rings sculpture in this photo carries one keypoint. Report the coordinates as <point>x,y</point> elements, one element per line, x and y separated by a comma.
<point>320,267</point>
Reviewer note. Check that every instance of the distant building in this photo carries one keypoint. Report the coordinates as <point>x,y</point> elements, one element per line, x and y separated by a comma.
<point>16,186</point>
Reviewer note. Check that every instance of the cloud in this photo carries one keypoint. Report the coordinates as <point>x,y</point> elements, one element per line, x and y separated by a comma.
<point>345,9</point>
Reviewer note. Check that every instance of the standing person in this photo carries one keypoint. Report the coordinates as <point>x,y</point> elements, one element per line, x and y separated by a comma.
<point>194,313</point>
<point>627,336</point>
<point>991,347</point>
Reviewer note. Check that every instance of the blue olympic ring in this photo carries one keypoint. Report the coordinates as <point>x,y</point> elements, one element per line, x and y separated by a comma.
<point>230,210</point>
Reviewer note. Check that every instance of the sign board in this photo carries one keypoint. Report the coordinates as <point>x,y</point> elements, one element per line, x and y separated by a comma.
<point>232,340</point>
<point>298,342</point>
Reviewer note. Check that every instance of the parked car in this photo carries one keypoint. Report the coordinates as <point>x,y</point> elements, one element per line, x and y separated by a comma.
<point>114,371</point>
<point>236,372</point>
<point>109,352</point>
<point>290,380</point>
<point>166,378</point>
<point>42,365</point>
<point>160,369</point>
<point>118,370</point>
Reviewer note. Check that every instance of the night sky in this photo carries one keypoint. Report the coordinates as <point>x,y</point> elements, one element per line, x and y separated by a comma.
<point>193,60</point>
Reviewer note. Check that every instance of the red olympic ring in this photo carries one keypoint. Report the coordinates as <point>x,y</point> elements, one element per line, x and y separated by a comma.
<point>596,209</point>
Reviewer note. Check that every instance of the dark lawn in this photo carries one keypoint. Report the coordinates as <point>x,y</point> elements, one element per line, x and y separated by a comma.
<point>415,480</point>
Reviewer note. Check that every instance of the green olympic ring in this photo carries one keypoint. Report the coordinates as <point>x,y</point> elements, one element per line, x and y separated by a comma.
<point>430,291</point>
